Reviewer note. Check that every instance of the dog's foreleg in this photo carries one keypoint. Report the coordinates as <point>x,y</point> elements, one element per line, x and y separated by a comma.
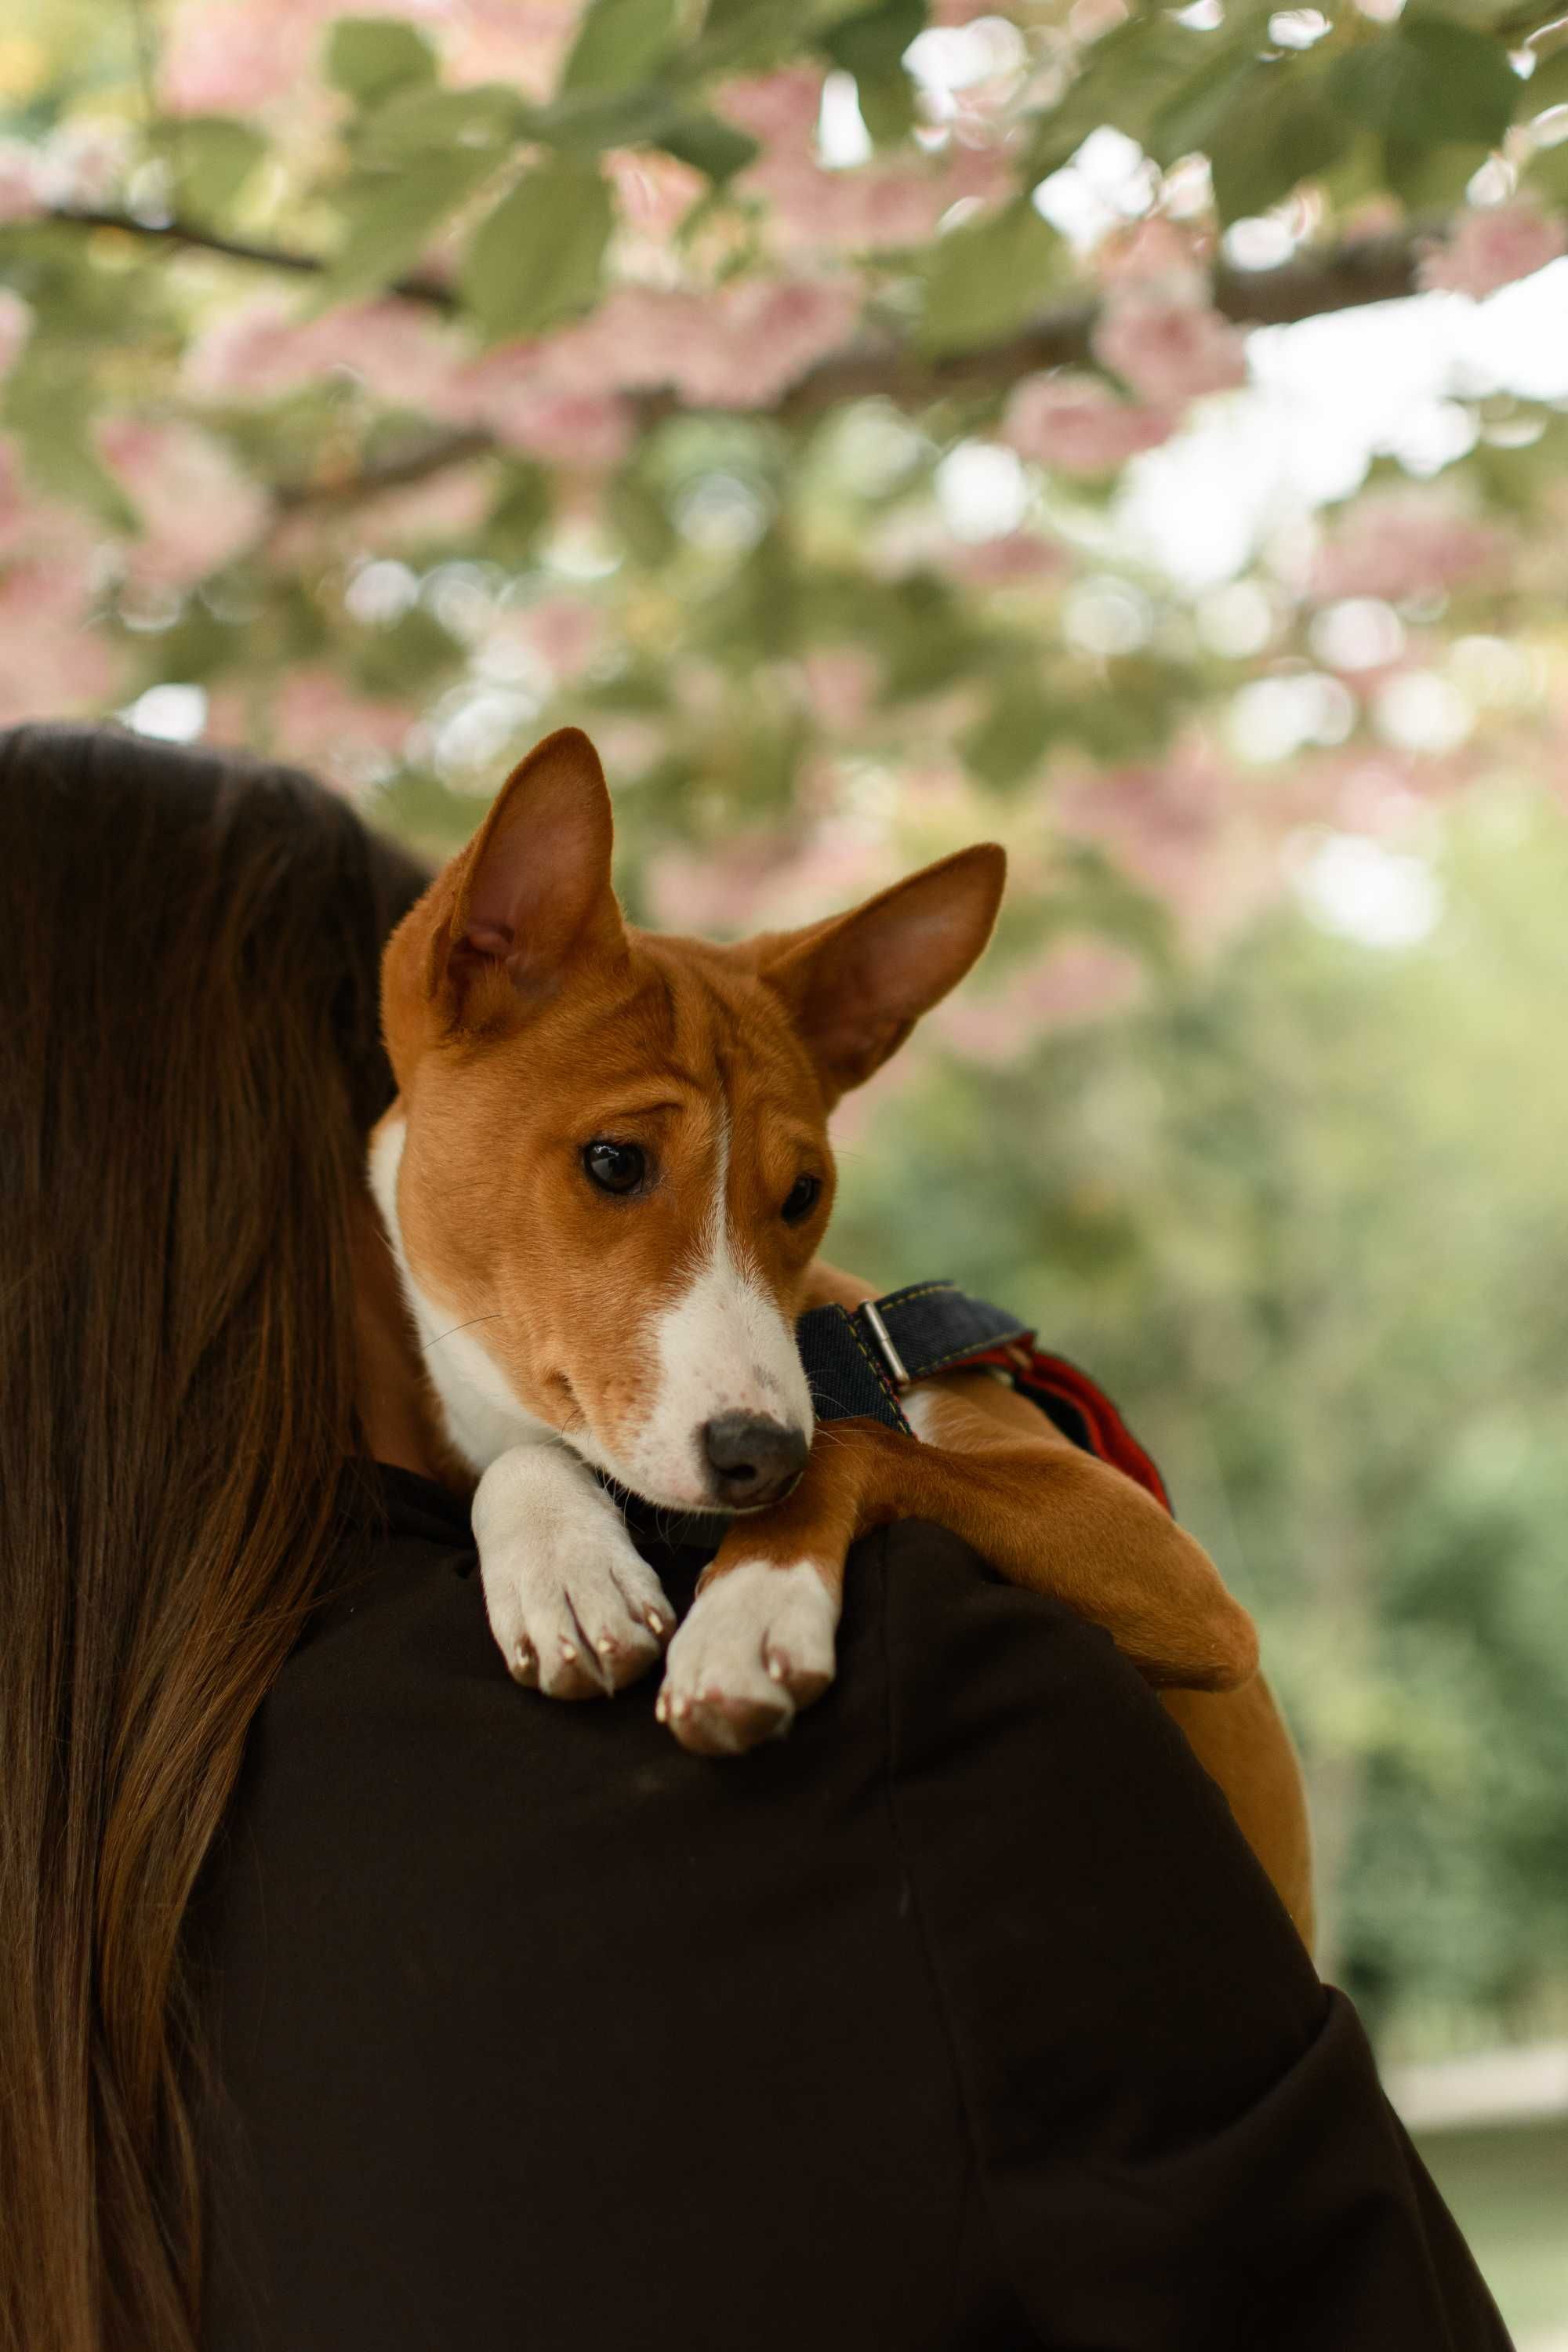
<point>754,1647</point>
<point>577,1612</point>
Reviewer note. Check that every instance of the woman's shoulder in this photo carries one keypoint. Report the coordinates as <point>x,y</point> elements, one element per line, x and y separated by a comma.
<point>962,2016</point>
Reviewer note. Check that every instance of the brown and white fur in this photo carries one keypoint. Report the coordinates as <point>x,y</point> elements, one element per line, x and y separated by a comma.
<point>648,1333</point>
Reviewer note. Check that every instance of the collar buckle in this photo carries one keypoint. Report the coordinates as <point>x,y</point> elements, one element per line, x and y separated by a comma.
<point>883,1336</point>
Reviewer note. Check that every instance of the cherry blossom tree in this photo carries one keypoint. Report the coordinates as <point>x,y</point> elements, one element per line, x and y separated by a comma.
<point>878,424</point>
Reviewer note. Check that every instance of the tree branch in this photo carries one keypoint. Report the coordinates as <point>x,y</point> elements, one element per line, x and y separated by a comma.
<point>1340,277</point>
<point>415,464</point>
<point>189,236</point>
<point>1343,278</point>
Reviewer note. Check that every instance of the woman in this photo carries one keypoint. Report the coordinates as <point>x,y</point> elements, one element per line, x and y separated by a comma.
<point>403,2009</point>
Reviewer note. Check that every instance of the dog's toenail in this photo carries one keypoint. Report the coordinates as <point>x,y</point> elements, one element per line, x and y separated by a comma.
<point>661,1709</point>
<point>569,1652</point>
<point>656,1622</point>
<point>604,1646</point>
<point>777,1669</point>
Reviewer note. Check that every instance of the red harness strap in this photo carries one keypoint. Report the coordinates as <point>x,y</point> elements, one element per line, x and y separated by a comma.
<point>1064,1394</point>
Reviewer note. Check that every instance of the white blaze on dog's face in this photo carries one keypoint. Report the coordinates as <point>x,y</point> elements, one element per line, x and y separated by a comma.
<point>608,1169</point>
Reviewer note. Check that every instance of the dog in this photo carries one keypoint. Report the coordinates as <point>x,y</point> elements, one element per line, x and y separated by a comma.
<point>604,1180</point>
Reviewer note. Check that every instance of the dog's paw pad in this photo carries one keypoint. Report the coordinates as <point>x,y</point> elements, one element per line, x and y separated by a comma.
<point>757,1645</point>
<point>583,1632</point>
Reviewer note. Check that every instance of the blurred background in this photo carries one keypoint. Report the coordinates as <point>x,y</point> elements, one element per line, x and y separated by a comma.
<point>1138,434</point>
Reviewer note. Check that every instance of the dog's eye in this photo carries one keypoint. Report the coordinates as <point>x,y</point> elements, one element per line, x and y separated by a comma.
<point>614,1167</point>
<point>804,1197</point>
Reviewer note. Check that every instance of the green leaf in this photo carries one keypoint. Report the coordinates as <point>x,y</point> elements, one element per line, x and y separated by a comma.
<point>1142,74</point>
<point>1430,179</point>
<point>1428,80</point>
<point>1548,85</point>
<point>370,58</point>
<point>514,525</point>
<point>871,46</point>
<point>640,519</point>
<point>212,156</point>
<point>537,258</point>
<point>1277,133</point>
<point>708,144</point>
<point>1193,120</point>
<point>591,120</point>
<point>756,34</point>
<point>622,42</point>
<point>51,413</point>
<point>403,658</point>
<point>987,277</point>
<point>1013,734</point>
<point>418,122</point>
<point>1547,172</point>
<point>389,218</point>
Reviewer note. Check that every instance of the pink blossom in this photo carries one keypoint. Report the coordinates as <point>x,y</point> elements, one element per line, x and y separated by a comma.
<point>520,42</point>
<point>654,192</point>
<point>1374,217</point>
<point>15,326</point>
<point>1492,246</point>
<point>760,336</point>
<point>1169,351</point>
<point>628,746</point>
<point>1183,827</point>
<point>764,881</point>
<point>198,510</point>
<point>738,348</point>
<point>847,212</point>
<point>690,890</point>
<point>85,162</point>
<point>265,346</point>
<point>840,681</point>
<point>21,183</point>
<point>33,527</point>
<point>1152,250</point>
<point>1075,980</point>
<point>449,505</point>
<point>1017,558</point>
<point>561,632</point>
<point>233,60</point>
<point>349,738</point>
<point>52,663</point>
<point>1092,19</point>
<point>242,55</point>
<point>1077,425</point>
<point>1400,543</point>
<point>778,109</point>
<point>512,392</point>
<point>875,205</point>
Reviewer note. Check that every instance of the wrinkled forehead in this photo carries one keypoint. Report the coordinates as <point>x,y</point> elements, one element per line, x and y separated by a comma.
<point>682,1030</point>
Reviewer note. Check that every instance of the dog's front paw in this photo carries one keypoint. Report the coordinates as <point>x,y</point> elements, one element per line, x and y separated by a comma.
<point>578,1613</point>
<point>756,1645</point>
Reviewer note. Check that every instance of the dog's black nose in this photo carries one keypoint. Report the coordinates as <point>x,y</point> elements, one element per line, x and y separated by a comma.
<point>752,1460</point>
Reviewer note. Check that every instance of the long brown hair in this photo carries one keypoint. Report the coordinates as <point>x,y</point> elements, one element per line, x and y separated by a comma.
<point>188,1062</point>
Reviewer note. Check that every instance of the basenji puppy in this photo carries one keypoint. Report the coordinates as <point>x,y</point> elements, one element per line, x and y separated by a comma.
<point>604,1180</point>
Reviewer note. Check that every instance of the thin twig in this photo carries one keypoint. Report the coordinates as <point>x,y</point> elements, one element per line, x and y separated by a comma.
<point>285,258</point>
<point>416,464</point>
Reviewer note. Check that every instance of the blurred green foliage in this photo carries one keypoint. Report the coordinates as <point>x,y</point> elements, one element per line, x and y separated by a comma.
<point>1306,1214</point>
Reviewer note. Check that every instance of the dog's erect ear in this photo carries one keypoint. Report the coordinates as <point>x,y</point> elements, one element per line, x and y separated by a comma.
<point>531,891</point>
<point>857,984</point>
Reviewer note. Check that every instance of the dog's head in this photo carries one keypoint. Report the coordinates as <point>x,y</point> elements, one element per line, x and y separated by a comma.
<point>609,1162</point>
